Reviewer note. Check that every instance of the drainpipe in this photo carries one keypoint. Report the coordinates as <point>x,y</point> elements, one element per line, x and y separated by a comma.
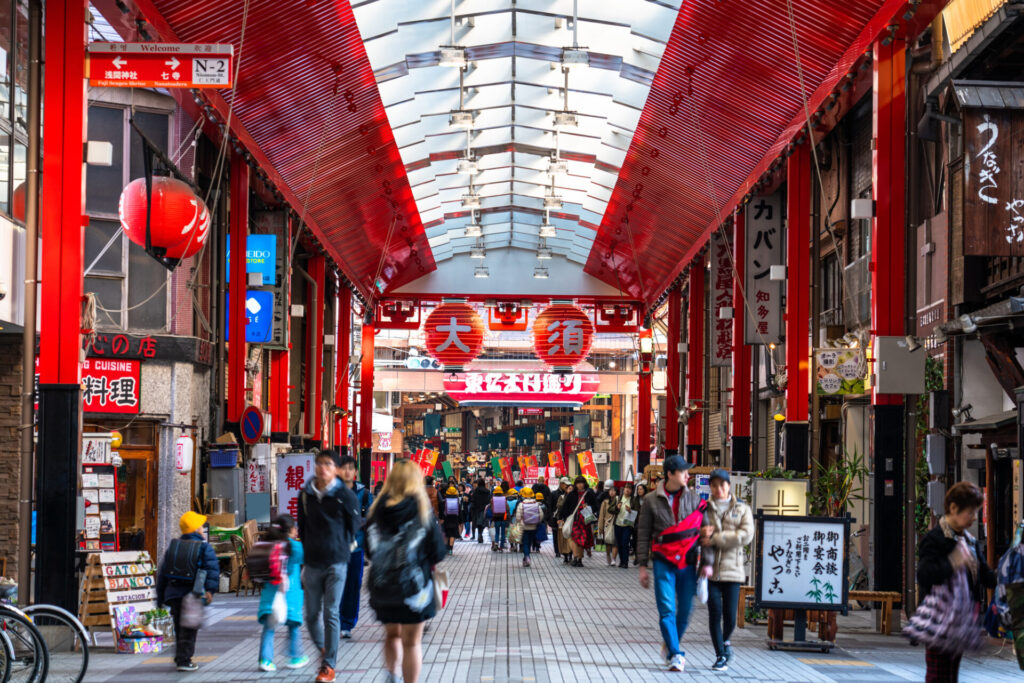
<point>28,371</point>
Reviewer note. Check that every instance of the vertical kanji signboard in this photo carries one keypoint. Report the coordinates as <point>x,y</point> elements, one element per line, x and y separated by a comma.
<point>801,562</point>
<point>721,297</point>
<point>764,249</point>
<point>293,471</point>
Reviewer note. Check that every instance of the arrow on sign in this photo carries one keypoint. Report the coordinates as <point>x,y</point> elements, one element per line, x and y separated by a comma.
<point>118,62</point>
<point>172,62</point>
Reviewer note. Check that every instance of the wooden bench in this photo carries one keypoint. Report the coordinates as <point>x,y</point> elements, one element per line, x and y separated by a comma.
<point>887,598</point>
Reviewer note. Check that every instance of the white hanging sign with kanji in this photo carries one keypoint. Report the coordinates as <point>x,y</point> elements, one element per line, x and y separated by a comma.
<point>721,297</point>
<point>293,471</point>
<point>763,250</point>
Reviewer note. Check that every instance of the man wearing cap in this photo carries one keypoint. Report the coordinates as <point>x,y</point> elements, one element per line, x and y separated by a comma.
<point>184,558</point>
<point>668,504</point>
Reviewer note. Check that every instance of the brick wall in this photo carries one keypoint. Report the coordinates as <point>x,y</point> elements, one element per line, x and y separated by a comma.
<point>10,446</point>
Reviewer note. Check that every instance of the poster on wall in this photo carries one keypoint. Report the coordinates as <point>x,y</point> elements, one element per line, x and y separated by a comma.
<point>721,297</point>
<point>293,471</point>
<point>764,241</point>
<point>801,562</point>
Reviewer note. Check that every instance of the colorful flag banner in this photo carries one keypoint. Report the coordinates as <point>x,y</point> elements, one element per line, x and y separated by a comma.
<point>555,460</point>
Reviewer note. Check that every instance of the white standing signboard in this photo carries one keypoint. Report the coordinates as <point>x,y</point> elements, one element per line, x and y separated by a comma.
<point>763,250</point>
<point>293,471</point>
<point>801,562</point>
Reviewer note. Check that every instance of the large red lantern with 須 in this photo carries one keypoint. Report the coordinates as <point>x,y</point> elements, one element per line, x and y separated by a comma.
<point>562,336</point>
<point>454,335</point>
<point>179,221</point>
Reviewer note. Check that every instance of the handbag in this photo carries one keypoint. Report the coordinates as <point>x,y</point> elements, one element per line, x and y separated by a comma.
<point>947,620</point>
<point>702,590</point>
<point>440,579</point>
<point>567,524</point>
<point>588,514</point>
<point>192,608</point>
<point>631,516</point>
<point>279,610</point>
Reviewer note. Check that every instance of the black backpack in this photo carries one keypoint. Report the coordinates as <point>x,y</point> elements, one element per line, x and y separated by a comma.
<point>181,562</point>
<point>267,561</point>
<point>396,573</point>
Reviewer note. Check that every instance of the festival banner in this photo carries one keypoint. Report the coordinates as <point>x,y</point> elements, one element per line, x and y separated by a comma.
<point>587,466</point>
<point>448,471</point>
<point>496,466</point>
<point>427,462</point>
<point>555,460</point>
<point>506,469</point>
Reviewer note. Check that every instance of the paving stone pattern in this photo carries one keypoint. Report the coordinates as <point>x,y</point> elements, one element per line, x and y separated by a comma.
<point>546,623</point>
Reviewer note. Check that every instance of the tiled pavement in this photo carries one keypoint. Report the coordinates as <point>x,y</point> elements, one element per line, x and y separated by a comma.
<point>546,623</point>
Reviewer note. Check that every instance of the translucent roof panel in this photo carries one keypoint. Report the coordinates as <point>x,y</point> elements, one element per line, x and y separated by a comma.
<point>510,93</point>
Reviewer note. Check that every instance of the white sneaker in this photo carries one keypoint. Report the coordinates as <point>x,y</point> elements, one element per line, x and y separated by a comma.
<point>678,663</point>
<point>347,635</point>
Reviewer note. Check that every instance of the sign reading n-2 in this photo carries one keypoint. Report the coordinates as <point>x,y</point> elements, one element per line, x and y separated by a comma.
<point>160,65</point>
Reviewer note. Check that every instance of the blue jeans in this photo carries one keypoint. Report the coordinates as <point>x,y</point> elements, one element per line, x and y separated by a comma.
<point>323,587</point>
<point>722,599</point>
<point>349,608</point>
<point>673,592</point>
<point>267,642</point>
<point>528,538</point>
<point>499,532</point>
<point>622,536</point>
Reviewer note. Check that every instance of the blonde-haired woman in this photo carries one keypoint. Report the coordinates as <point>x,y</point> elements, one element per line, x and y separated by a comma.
<point>404,542</point>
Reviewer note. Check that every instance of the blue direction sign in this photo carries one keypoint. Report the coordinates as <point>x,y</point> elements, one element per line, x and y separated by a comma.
<point>252,424</point>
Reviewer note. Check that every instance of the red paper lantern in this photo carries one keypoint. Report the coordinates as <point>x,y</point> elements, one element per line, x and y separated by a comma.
<point>454,335</point>
<point>562,336</point>
<point>179,220</point>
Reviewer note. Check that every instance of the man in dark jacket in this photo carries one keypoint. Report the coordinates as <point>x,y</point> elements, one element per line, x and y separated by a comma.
<point>328,522</point>
<point>478,509</point>
<point>171,590</point>
<point>349,608</point>
<point>664,507</point>
<point>553,502</point>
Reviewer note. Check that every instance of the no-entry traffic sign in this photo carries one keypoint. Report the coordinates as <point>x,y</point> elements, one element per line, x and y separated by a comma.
<point>160,65</point>
<point>251,425</point>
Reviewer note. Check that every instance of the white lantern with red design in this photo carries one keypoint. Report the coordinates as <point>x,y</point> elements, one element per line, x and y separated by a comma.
<point>179,221</point>
<point>183,455</point>
<point>562,336</point>
<point>454,335</point>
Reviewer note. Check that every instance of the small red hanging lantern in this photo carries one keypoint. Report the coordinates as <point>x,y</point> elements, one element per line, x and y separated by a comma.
<point>454,335</point>
<point>562,336</point>
<point>179,221</point>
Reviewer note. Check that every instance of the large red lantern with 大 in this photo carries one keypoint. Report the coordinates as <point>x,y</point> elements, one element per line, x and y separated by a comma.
<point>562,336</point>
<point>454,335</point>
<point>179,221</point>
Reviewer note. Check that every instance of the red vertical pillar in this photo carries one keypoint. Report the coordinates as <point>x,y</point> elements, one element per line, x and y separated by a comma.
<point>366,403</point>
<point>62,213</point>
<point>315,346</point>
<point>673,382</point>
<point>343,346</point>
<point>740,354</point>
<point>695,363</point>
<point>643,405</point>
<point>888,234</point>
<point>279,373</point>
<point>239,228</point>
<point>798,300</point>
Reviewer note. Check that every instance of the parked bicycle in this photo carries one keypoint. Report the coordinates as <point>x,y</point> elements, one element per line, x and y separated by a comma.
<point>41,643</point>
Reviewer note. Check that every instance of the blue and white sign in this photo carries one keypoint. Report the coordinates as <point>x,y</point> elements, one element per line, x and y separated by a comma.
<point>259,316</point>
<point>260,257</point>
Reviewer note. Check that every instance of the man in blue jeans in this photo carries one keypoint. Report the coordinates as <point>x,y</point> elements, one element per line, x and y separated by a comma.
<point>328,521</point>
<point>354,576</point>
<point>668,504</point>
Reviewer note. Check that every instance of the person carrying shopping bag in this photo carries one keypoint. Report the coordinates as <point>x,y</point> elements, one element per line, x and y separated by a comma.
<point>288,588</point>
<point>579,515</point>
<point>606,522</point>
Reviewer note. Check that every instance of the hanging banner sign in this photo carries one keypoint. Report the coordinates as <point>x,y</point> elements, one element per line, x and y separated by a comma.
<point>505,465</point>
<point>841,371</point>
<point>521,388</point>
<point>496,466</point>
<point>427,462</point>
<point>293,471</point>
<point>721,297</point>
<point>587,467</point>
<point>801,562</point>
<point>160,65</point>
<point>556,462</point>
<point>763,250</point>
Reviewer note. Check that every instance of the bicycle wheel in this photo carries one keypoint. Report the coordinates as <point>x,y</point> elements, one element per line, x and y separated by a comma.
<point>29,663</point>
<point>67,642</point>
<point>7,653</point>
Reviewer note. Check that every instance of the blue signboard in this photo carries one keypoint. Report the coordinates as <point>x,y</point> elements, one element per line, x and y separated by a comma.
<point>260,257</point>
<point>259,316</point>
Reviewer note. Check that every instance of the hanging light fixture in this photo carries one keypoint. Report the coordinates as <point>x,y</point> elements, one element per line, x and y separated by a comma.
<point>551,201</point>
<point>540,273</point>
<point>557,166</point>
<point>481,272</point>
<point>477,252</point>
<point>471,200</point>
<point>544,253</point>
<point>461,119</point>
<point>474,230</point>
<point>452,55</point>
<point>547,229</point>
<point>468,166</point>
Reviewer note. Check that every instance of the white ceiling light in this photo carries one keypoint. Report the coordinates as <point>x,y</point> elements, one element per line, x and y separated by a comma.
<point>451,55</point>
<point>565,120</point>
<point>558,166</point>
<point>471,201</point>
<point>573,57</point>
<point>468,166</point>
<point>540,272</point>
<point>461,119</point>
<point>544,254</point>
<point>548,230</point>
<point>551,201</point>
<point>481,271</point>
<point>473,230</point>
<point>477,253</point>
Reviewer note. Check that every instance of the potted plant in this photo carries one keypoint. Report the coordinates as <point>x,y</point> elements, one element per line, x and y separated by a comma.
<point>159,619</point>
<point>838,486</point>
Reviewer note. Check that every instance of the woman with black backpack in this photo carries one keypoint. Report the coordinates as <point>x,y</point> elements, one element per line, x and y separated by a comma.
<point>404,543</point>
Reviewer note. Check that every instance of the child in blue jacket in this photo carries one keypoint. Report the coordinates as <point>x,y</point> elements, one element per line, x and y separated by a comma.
<point>284,529</point>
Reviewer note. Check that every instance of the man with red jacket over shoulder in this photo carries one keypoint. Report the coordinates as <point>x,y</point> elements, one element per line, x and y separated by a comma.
<point>676,554</point>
